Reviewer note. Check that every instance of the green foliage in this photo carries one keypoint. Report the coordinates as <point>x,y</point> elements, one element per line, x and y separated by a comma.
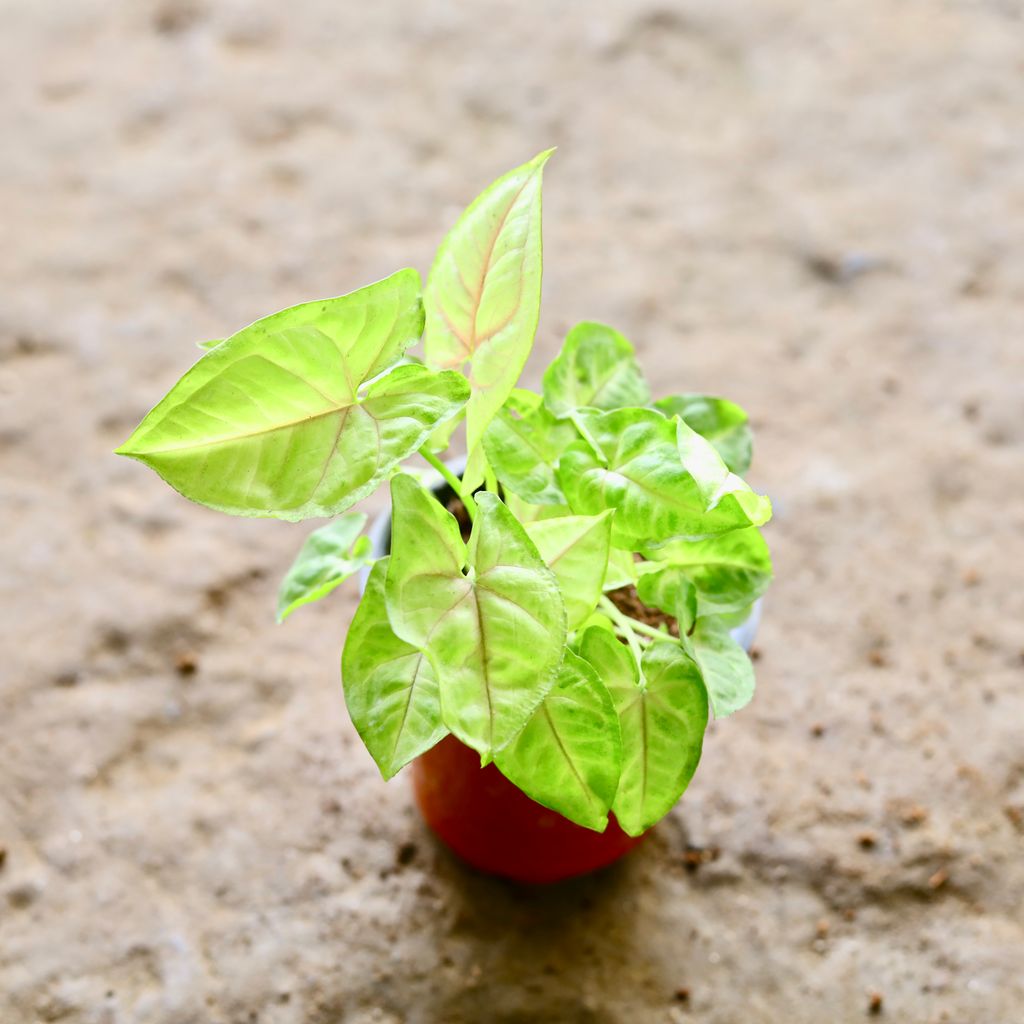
<point>482,297</point>
<point>272,421</point>
<point>475,611</point>
<point>596,369</point>
<point>664,480</point>
<point>663,711</point>
<point>722,422</point>
<point>329,556</point>
<point>390,687</point>
<point>516,641</point>
<point>569,754</point>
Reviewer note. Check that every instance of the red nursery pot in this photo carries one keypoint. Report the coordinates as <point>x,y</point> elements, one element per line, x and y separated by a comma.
<point>495,827</point>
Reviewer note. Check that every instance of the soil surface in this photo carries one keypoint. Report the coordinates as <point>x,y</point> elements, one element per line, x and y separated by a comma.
<point>812,208</point>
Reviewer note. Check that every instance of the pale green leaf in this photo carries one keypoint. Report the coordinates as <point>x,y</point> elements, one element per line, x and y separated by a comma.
<point>482,298</point>
<point>576,550</point>
<point>726,668</point>
<point>569,755</point>
<point>664,479</point>
<point>390,687</point>
<point>720,421</point>
<point>662,714</point>
<point>621,569</point>
<point>729,571</point>
<point>523,443</point>
<point>329,557</point>
<point>596,368</point>
<point>273,422</point>
<point>494,633</point>
<point>672,591</point>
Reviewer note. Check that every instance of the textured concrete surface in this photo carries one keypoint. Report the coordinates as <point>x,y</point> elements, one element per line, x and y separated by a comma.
<point>812,208</point>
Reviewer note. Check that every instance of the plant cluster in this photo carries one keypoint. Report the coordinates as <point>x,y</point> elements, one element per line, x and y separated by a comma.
<point>517,640</point>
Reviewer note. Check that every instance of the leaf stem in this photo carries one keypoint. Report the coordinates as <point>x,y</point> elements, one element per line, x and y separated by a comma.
<point>452,480</point>
<point>625,624</point>
<point>620,618</point>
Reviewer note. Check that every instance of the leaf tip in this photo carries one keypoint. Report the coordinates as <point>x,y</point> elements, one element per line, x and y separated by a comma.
<point>542,158</point>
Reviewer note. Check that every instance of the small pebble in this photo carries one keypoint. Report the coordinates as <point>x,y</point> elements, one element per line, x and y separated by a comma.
<point>875,1004</point>
<point>867,840</point>
<point>186,664</point>
<point>939,879</point>
<point>682,994</point>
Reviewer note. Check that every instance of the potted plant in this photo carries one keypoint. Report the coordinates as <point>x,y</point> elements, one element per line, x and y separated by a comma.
<point>545,627</point>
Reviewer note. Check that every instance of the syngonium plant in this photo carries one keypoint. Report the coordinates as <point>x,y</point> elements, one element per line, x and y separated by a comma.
<point>516,640</point>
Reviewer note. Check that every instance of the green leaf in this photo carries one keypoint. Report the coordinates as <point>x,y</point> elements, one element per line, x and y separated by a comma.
<point>329,556</point>
<point>727,671</point>
<point>390,687</point>
<point>596,368</point>
<point>664,479</point>
<point>720,421</point>
<point>495,633</point>
<point>482,297</point>
<point>622,569</point>
<point>662,713</point>
<point>576,550</point>
<point>672,591</point>
<point>272,422</point>
<point>569,755</point>
<point>211,343</point>
<point>729,571</point>
<point>523,443</point>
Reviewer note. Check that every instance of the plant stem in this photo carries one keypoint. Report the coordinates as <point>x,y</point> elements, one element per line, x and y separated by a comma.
<point>453,481</point>
<point>620,618</point>
<point>625,624</point>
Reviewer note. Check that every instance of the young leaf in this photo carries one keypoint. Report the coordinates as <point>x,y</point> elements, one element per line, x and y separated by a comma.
<point>495,633</point>
<point>720,421</point>
<point>665,480</point>
<point>271,422</point>
<point>482,297</point>
<point>390,687</point>
<point>672,591</point>
<point>523,443</point>
<point>576,550</point>
<point>730,571</point>
<point>727,671</point>
<point>596,368</point>
<point>569,755</point>
<point>329,556</point>
<point>663,717</point>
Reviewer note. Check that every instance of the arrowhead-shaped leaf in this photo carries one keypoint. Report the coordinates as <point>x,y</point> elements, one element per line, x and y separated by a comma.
<point>494,633</point>
<point>725,666</point>
<point>720,421</point>
<point>730,571</point>
<point>596,368</point>
<point>482,298</point>
<point>329,556</point>
<point>272,422</point>
<point>576,550</point>
<point>569,755</point>
<point>390,687</point>
<point>663,713</point>
<point>664,479</point>
<point>523,443</point>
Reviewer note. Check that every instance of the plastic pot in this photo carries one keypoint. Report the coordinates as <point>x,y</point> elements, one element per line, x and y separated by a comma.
<point>487,821</point>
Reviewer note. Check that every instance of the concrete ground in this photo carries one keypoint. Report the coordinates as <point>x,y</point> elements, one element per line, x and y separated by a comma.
<point>812,208</point>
